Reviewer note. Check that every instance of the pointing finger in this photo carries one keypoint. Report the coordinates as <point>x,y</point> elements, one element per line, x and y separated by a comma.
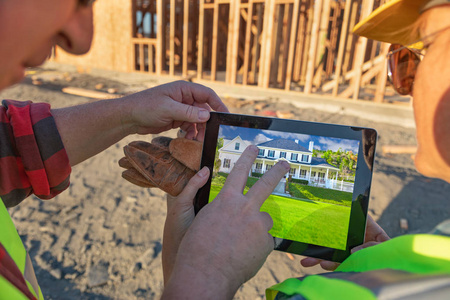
<point>266,184</point>
<point>238,176</point>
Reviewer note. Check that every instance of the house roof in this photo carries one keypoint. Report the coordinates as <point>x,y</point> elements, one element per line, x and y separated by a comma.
<point>284,144</point>
<point>320,162</point>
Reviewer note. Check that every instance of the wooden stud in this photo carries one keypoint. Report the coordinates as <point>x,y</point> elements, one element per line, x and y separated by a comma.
<point>322,40</point>
<point>200,40</point>
<point>313,47</point>
<point>214,40</point>
<point>307,42</point>
<point>275,45</point>
<point>185,37</point>
<point>256,53</point>
<point>267,41</point>
<point>159,37</point>
<point>351,37</point>
<point>234,41</point>
<point>334,32</point>
<point>248,36</point>
<point>229,42</point>
<point>382,77</point>
<point>141,57</point>
<point>366,9</point>
<point>172,38</point>
<point>287,21</point>
<point>300,41</point>
<point>150,58</point>
<point>340,56</point>
<point>295,13</point>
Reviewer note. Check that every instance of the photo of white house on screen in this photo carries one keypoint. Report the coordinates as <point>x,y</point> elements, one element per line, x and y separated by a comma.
<point>311,204</point>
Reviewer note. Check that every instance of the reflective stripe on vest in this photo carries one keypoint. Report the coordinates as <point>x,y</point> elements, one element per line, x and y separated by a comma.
<point>404,262</point>
<point>10,240</point>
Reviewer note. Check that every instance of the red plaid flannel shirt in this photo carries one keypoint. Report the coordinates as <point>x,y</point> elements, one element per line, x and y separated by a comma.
<point>32,155</point>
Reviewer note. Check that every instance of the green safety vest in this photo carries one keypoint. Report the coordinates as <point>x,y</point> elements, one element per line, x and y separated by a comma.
<point>411,264</point>
<point>13,245</point>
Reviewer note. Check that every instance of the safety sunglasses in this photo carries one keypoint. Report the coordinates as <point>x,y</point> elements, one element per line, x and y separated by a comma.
<point>402,63</point>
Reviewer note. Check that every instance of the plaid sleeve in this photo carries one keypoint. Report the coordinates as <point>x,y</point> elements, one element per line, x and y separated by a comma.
<point>32,155</point>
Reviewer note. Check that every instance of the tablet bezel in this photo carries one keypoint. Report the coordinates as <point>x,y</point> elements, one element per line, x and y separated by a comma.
<point>363,177</point>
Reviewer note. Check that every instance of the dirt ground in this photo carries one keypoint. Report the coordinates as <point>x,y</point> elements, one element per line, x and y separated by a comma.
<point>101,238</point>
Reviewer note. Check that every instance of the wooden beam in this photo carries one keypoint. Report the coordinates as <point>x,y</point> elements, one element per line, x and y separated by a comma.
<point>200,40</point>
<point>382,77</point>
<point>399,149</point>
<point>349,53</point>
<point>322,39</point>
<point>256,43</point>
<point>185,37</point>
<point>313,47</point>
<point>214,41</point>
<point>235,41</point>
<point>340,56</point>
<point>159,36</point>
<point>269,12</point>
<point>248,36</point>
<point>141,57</point>
<point>89,93</point>
<point>361,49</point>
<point>276,44</point>
<point>350,74</point>
<point>150,57</point>
<point>172,38</point>
<point>295,12</point>
<point>287,21</point>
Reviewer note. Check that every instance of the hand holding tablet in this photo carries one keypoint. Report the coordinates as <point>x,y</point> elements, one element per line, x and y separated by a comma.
<point>228,240</point>
<point>319,209</point>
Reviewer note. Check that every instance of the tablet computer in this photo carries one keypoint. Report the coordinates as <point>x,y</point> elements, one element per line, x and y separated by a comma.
<point>319,208</point>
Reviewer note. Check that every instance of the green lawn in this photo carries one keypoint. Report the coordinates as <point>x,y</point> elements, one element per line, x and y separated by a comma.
<point>320,194</point>
<point>306,221</point>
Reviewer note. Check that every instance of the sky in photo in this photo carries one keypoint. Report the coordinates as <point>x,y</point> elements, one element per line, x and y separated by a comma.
<point>258,136</point>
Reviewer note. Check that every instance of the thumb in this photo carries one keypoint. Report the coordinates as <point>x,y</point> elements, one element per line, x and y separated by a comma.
<point>186,197</point>
<point>365,245</point>
<point>189,113</point>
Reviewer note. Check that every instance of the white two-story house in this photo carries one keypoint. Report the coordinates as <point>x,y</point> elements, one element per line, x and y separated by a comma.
<point>303,165</point>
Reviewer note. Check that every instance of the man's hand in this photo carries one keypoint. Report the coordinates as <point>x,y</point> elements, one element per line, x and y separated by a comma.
<point>374,235</point>
<point>90,128</point>
<point>177,104</point>
<point>180,214</point>
<point>228,240</point>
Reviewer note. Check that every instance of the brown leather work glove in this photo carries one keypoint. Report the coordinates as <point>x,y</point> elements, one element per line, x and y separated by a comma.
<point>164,163</point>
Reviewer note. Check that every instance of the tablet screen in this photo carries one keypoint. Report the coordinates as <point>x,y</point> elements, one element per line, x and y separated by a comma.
<point>312,205</point>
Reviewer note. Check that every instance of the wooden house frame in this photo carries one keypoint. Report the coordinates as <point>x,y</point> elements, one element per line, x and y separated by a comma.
<point>305,46</point>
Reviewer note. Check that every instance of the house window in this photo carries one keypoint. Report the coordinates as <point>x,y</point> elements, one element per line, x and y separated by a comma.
<point>271,153</point>
<point>292,172</point>
<point>268,167</point>
<point>258,167</point>
<point>313,174</point>
<point>294,156</point>
<point>305,158</point>
<point>322,175</point>
<point>261,152</point>
<point>282,154</point>
<point>303,173</point>
<point>236,146</point>
<point>226,163</point>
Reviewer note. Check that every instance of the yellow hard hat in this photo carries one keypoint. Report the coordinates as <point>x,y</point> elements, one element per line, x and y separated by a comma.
<point>391,22</point>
